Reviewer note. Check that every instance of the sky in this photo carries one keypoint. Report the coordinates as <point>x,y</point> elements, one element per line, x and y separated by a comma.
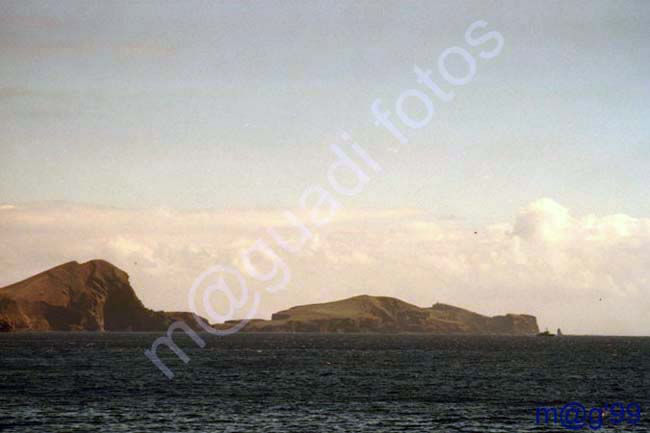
<point>165,138</point>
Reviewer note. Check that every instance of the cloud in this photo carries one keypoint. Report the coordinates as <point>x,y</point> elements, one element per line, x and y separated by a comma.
<point>543,220</point>
<point>585,273</point>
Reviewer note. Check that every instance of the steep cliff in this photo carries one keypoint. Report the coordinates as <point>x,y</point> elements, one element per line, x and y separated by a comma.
<point>93,296</point>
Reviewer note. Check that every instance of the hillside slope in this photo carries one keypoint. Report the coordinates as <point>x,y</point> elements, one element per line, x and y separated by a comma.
<point>93,296</point>
<point>384,314</point>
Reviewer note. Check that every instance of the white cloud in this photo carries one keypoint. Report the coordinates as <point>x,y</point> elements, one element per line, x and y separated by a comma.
<point>543,220</point>
<point>584,273</point>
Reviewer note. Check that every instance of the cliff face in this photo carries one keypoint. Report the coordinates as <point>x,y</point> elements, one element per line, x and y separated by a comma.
<point>93,296</point>
<point>384,314</point>
<point>511,324</point>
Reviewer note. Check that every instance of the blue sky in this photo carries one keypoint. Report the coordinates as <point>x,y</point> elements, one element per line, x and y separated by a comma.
<point>220,104</point>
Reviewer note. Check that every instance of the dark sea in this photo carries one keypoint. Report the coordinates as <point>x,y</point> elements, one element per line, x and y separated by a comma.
<point>86,382</point>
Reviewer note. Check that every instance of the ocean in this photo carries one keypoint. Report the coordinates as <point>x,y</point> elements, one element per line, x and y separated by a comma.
<point>89,382</point>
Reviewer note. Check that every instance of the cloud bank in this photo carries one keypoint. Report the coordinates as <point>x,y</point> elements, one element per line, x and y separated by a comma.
<point>585,274</point>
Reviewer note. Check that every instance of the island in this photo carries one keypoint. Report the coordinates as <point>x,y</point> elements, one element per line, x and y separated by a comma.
<point>97,296</point>
<point>382,314</point>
